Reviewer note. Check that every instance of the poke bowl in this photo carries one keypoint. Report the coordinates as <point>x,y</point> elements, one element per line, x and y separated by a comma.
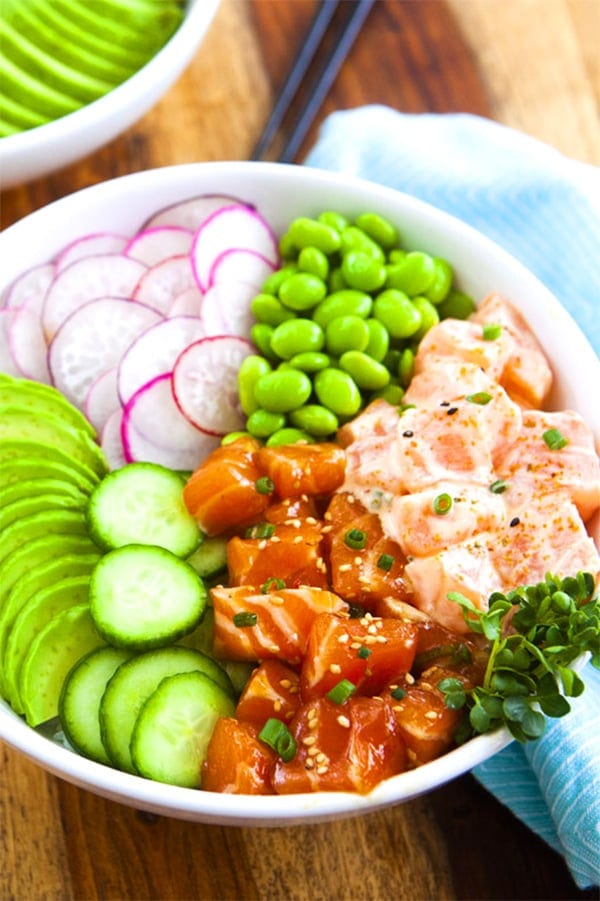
<point>105,222</point>
<point>95,90</point>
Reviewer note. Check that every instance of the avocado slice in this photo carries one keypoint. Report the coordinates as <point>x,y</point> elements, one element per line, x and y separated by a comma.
<point>7,128</point>
<point>34,468</point>
<point>24,88</point>
<point>15,449</point>
<point>87,18</point>
<point>19,116</point>
<point>45,398</point>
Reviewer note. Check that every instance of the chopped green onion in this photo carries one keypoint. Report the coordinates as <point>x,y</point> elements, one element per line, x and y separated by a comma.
<point>356,539</point>
<point>260,530</point>
<point>386,561</point>
<point>272,584</point>
<point>442,504</point>
<point>398,693</point>
<point>364,652</point>
<point>491,331</point>
<point>554,439</point>
<point>265,485</point>
<point>499,486</point>
<point>342,691</point>
<point>244,619</point>
<point>480,397</point>
<point>277,736</point>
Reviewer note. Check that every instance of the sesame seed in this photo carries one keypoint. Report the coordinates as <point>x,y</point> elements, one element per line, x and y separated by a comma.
<point>275,538</point>
<point>298,539</point>
<point>277,601</point>
<point>262,544</point>
<point>358,561</point>
<point>350,498</point>
<point>274,648</point>
<point>309,740</point>
<point>343,721</point>
<point>326,529</point>
<point>410,678</point>
<point>335,668</point>
<point>277,705</point>
<point>355,644</point>
<point>411,755</point>
<point>431,715</point>
<point>382,639</point>
<point>345,567</point>
<point>344,638</point>
<point>372,630</point>
<point>311,520</point>
<point>321,770</point>
<point>313,751</point>
<point>321,758</point>
<point>285,683</point>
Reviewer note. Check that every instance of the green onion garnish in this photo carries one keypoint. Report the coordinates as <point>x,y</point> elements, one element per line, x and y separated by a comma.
<point>265,485</point>
<point>499,486</point>
<point>342,691</point>
<point>260,530</point>
<point>398,693</point>
<point>442,504</point>
<point>356,539</point>
<point>243,619</point>
<point>364,652</point>
<point>386,561</point>
<point>276,735</point>
<point>272,584</point>
<point>480,397</point>
<point>554,439</point>
<point>491,331</point>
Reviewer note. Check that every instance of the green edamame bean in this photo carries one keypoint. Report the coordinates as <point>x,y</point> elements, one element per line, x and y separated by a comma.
<point>282,390</point>
<point>287,247</point>
<point>302,291</point>
<point>273,282</point>
<point>346,333</point>
<point>334,220</point>
<point>288,436</point>
<point>313,261</point>
<point>337,391</point>
<point>379,340</point>
<point>230,437</point>
<point>260,334</point>
<point>342,303</point>
<point>428,313</point>
<point>310,361</point>
<point>363,271</point>
<point>354,238</point>
<point>262,423</point>
<point>297,336</point>
<point>315,419</point>
<point>441,283</point>
<point>305,232</point>
<point>336,281</point>
<point>394,309</point>
<point>392,360</point>
<point>381,230</point>
<point>413,275</point>
<point>251,369</point>
<point>396,255</point>
<point>406,367</point>
<point>457,305</point>
<point>267,308</point>
<point>392,393</point>
<point>366,372</point>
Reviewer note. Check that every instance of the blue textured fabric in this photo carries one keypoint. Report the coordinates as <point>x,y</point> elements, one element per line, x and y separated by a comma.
<point>545,210</point>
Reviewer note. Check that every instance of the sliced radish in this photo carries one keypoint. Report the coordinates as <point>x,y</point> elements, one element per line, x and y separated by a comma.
<point>152,245</point>
<point>188,303</point>
<point>90,245</point>
<point>104,275</point>
<point>102,399</point>
<point>163,282</point>
<point>239,264</point>
<point>226,309</point>
<point>111,441</point>
<point>92,340</point>
<point>28,345</point>
<point>234,226</point>
<point>175,442</point>
<point>205,383</point>
<point>155,351</point>
<point>7,362</point>
<point>191,213</point>
<point>31,285</point>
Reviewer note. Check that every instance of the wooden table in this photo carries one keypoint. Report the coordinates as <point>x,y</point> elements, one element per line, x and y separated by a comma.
<point>531,64</point>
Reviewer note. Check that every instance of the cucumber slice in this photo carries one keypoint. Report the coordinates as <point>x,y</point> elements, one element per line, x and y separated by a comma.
<point>49,522</point>
<point>202,637</point>
<point>35,579</point>
<point>79,702</point>
<point>34,487</point>
<point>28,506</point>
<point>64,640</point>
<point>134,682</point>
<point>142,597</point>
<point>210,557</point>
<point>30,621</point>
<point>27,469</point>
<point>42,398</point>
<point>173,729</point>
<point>142,504</point>
<point>19,450</point>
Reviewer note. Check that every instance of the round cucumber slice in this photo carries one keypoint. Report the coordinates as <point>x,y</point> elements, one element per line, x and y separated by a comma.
<point>134,682</point>
<point>79,702</point>
<point>142,504</point>
<point>64,640</point>
<point>173,729</point>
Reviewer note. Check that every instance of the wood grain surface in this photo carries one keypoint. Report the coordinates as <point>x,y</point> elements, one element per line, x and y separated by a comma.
<point>532,64</point>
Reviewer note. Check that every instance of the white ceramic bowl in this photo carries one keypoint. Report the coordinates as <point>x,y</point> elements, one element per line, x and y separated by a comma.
<point>41,150</point>
<point>281,193</point>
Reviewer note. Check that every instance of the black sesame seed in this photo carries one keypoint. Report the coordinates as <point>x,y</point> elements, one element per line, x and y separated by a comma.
<point>451,410</point>
<point>515,521</point>
<point>408,433</point>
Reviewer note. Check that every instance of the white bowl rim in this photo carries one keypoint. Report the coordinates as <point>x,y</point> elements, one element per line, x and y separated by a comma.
<point>244,810</point>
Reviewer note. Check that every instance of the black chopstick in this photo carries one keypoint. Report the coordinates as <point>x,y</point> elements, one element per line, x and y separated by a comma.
<point>323,80</point>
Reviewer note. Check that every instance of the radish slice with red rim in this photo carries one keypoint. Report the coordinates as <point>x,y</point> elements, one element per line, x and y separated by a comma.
<point>164,281</point>
<point>29,287</point>
<point>205,383</point>
<point>155,430</point>
<point>236,263</point>
<point>193,212</point>
<point>28,345</point>
<point>155,351</point>
<point>235,226</point>
<point>92,340</point>
<point>226,309</point>
<point>111,441</point>
<point>102,399</point>
<point>104,275</point>
<point>152,245</point>
<point>90,245</point>
<point>7,362</point>
<point>188,303</point>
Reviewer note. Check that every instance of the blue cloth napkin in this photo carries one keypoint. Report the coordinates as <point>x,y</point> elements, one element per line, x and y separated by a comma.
<point>545,210</point>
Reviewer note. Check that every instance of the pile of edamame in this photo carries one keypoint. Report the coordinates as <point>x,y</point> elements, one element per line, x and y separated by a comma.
<point>338,325</point>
